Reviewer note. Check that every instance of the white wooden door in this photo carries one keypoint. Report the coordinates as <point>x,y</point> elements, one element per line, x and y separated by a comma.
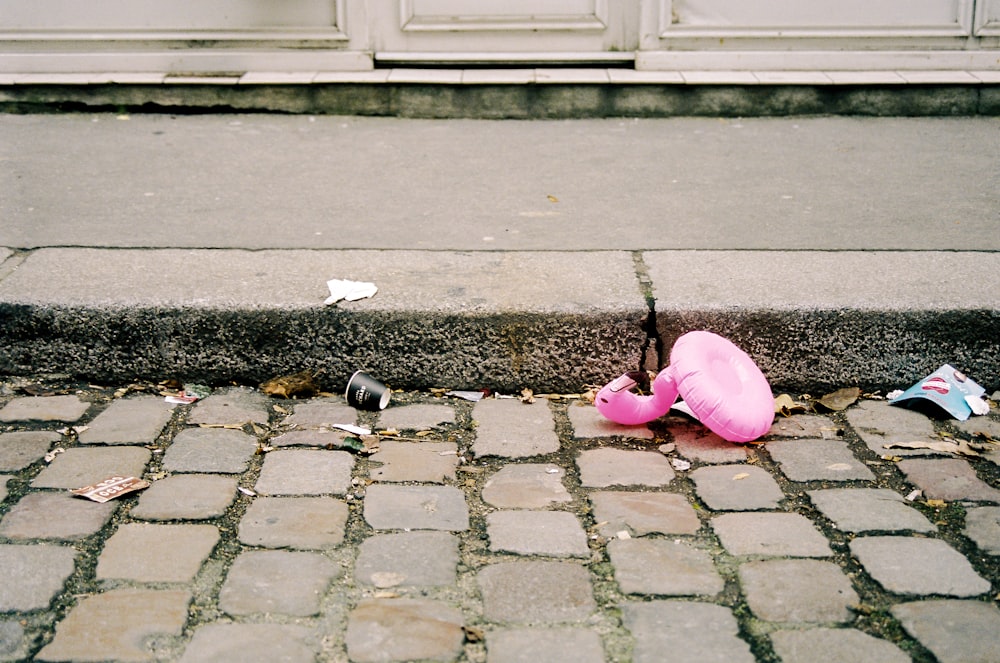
<point>507,31</point>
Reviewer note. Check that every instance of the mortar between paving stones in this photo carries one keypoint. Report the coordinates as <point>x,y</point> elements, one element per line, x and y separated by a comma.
<point>445,570</point>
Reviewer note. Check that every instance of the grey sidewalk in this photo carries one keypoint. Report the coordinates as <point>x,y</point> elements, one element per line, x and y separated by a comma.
<point>508,254</point>
<point>494,531</point>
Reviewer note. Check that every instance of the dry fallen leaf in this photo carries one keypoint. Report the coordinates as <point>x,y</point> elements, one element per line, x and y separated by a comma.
<point>959,447</point>
<point>527,396</point>
<point>840,399</point>
<point>785,406</point>
<point>740,476</point>
<point>552,199</point>
<point>935,503</point>
<point>298,385</point>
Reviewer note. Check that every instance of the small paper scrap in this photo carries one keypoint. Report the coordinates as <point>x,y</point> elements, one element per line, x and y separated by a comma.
<point>111,488</point>
<point>190,394</point>
<point>349,290</point>
<point>351,428</point>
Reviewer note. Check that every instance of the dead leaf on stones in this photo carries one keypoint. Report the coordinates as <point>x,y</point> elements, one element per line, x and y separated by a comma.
<point>740,476</point>
<point>473,634</point>
<point>298,385</point>
<point>937,504</point>
<point>959,447</point>
<point>840,399</point>
<point>786,407</point>
<point>527,396</point>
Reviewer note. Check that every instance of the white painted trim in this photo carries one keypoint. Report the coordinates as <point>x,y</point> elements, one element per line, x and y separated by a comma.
<point>161,36</point>
<point>984,26</point>
<point>473,57</point>
<point>668,30</point>
<point>817,60</point>
<point>411,22</point>
<point>187,60</point>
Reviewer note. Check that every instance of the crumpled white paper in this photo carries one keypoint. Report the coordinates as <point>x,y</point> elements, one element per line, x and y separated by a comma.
<point>349,290</point>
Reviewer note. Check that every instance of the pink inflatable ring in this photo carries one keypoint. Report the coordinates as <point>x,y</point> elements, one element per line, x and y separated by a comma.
<point>719,382</point>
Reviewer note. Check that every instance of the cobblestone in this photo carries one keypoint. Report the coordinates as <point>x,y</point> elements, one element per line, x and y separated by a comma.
<point>489,533</point>
<point>136,420</point>
<point>869,510</point>
<point>44,408</point>
<point>947,479</point>
<point>660,566</point>
<point>918,566</point>
<point>550,533</point>
<point>276,581</point>
<point>186,497</point>
<point>19,450</point>
<point>954,631</point>
<point>118,625</point>
<point>770,534</point>
<point>736,488</point>
<point>798,591</point>
<point>136,552</point>
<point>35,574</point>
<point>209,450</point>
<point>310,523</point>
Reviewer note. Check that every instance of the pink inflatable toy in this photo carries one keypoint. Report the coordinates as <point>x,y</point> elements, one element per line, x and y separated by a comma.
<point>718,381</point>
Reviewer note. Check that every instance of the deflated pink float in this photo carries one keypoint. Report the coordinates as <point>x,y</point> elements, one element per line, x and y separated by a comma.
<point>720,383</point>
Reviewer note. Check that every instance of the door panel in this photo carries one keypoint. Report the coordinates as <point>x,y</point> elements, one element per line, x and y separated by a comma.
<point>535,29</point>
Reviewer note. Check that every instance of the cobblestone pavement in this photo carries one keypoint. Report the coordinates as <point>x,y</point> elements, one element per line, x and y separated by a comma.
<point>493,531</point>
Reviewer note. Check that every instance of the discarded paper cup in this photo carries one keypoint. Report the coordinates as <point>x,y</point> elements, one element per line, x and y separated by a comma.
<point>366,393</point>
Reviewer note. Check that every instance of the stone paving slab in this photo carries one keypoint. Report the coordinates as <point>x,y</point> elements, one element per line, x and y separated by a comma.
<point>118,624</point>
<point>322,412</point>
<point>309,523</point>
<point>135,420</point>
<point>232,406</point>
<point>818,460</point>
<point>20,449</point>
<point>525,645</point>
<point>512,429</point>
<point>407,559</point>
<point>663,567</point>
<point>136,552</point>
<point>416,507</point>
<point>698,444</point>
<point>430,462</point>
<point>954,631</point>
<point>588,423</point>
<point>305,472</point>
<point>736,488</point>
<point>770,534</point>
<point>251,643</point>
<point>86,466</point>
<point>34,575</point>
<point>918,566</point>
<point>548,533</point>
<point>404,629</point>
<point>840,645</point>
<point>276,581</point>
<point>947,479</point>
<point>186,497</point>
<point>526,486</point>
<point>420,416</point>
<point>869,510</point>
<point>534,591</point>
<point>57,516</point>
<point>603,468</point>
<point>879,424</point>
<point>207,450</point>
<point>982,525</point>
<point>642,513</point>
<point>798,591</point>
<point>677,631</point>
<point>68,409</point>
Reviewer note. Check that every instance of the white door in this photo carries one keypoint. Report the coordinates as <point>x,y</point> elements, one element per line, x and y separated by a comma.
<point>507,31</point>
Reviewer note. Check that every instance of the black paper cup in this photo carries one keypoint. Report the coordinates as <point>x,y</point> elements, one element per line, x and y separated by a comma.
<point>366,393</point>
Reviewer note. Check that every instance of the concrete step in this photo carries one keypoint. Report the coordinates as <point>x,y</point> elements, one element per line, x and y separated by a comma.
<point>551,321</point>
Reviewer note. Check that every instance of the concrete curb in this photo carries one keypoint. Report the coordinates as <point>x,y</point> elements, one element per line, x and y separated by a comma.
<point>513,101</point>
<point>553,321</point>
